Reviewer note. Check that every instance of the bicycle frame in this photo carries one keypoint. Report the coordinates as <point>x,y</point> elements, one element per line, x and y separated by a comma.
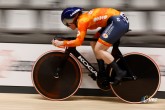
<point>93,72</point>
<point>72,50</point>
<point>66,78</point>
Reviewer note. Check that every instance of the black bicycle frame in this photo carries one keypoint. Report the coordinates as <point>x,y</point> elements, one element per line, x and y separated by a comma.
<point>93,72</point>
<point>68,50</point>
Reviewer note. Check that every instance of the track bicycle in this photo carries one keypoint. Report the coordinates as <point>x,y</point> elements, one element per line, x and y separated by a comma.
<point>57,74</point>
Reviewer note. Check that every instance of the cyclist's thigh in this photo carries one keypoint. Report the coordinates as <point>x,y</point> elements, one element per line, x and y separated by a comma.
<point>115,30</point>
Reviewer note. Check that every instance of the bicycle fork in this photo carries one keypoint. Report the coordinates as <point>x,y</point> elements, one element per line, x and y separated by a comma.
<point>59,69</point>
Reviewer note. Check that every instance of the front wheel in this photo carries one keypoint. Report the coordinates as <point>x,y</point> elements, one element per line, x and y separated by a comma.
<point>146,84</point>
<point>56,88</point>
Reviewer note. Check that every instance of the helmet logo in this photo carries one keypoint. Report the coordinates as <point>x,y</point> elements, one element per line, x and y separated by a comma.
<point>75,12</point>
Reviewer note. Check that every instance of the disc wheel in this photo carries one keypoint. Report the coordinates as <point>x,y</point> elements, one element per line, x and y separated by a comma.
<point>56,88</point>
<point>146,84</point>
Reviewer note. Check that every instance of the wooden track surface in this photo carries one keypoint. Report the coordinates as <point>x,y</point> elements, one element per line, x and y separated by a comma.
<point>37,102</point>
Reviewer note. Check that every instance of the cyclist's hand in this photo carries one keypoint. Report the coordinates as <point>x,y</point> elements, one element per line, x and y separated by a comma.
<point>57,43</point>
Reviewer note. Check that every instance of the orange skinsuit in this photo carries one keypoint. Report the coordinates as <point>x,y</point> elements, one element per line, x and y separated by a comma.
<point>91,20</point>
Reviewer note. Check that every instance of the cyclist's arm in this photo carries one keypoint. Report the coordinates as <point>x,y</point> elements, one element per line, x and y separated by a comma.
<point>78,41</point>
<point>82,30</point>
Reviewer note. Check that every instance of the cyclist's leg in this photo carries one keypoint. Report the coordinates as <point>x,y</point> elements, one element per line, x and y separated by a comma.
<point>103,74</point>
<point>112,33</point>
<point>101,53</point>
<point>99,61</point>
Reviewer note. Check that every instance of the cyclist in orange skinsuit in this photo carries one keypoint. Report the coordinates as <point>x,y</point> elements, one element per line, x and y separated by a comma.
<point>113,25</point>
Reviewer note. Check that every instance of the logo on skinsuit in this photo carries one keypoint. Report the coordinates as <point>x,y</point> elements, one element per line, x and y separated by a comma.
<point>105,35</point>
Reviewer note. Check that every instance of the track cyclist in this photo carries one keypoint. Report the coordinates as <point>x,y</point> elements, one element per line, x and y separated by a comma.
<point>113,23</point>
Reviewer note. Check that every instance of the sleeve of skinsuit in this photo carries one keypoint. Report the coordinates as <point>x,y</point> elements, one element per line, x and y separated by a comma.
<point>80,36</point>
<point>78,41</point>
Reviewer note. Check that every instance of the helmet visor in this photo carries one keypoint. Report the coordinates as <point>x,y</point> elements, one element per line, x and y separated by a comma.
<point>66,22</point>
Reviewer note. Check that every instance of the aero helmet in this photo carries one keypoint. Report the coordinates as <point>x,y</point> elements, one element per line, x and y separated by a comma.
<point>69,14</point>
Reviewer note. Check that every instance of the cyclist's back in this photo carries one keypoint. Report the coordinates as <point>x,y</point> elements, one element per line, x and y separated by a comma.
<point>95,18</point>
